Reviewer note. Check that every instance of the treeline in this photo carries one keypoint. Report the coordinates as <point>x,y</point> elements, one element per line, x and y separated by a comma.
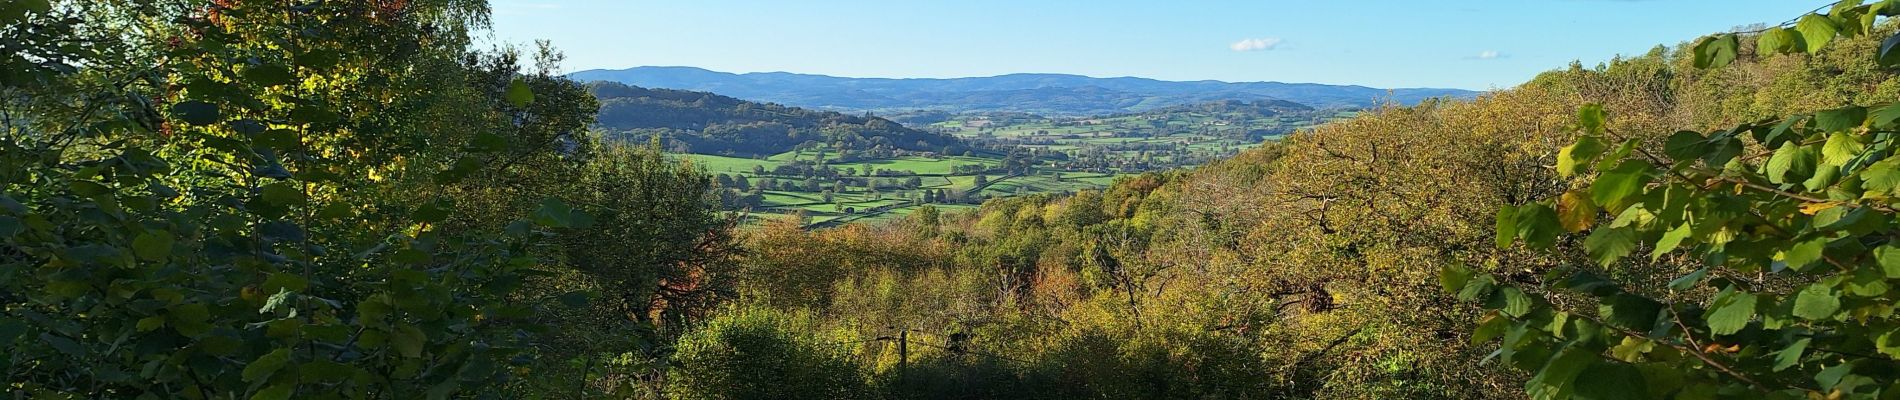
<point>707,123</point>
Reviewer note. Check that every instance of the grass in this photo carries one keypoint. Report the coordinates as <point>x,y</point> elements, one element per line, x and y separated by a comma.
<point>927,165</point>
<point>728,165</point>
<point>900,213</point>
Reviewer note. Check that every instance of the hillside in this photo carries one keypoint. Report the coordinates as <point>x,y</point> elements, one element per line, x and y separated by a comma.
<point>707,123</point>
<point>1379,256</point>
<point>1049,94</point>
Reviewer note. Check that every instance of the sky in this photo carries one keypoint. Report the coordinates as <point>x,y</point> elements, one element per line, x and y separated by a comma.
<point>1466,44</point>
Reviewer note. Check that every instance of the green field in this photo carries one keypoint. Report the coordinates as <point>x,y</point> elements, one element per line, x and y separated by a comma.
<point>928,165</point>
<point>723,164</point>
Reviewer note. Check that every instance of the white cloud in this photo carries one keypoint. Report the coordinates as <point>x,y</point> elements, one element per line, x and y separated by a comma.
<point>1255,44</point>
<point>1488,55</point>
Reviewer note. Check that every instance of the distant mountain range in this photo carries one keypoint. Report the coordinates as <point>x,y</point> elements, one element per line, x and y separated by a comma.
<point>1049,94</point>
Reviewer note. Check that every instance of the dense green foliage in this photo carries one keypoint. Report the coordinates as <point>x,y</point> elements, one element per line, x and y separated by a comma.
<point>267,200</point>
<point>762,354</point>
<point>1782,230</point>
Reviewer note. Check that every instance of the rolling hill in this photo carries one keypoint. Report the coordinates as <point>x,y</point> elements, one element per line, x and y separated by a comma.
<point>1048,94</point>
<point>707,123</point>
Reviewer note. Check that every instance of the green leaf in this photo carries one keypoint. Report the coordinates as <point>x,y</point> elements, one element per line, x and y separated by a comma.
<point>1512,301</point>
<point>1887,343</point>
<point>1478,287</point>
<point>1632,348</point>
<point>1688,281</point>
<point>1886,117</point>
<point>1790,356</point>
<point>1731,311</point>
<point>266,365</point>
<point>1889,257</point>
<point>1890,52</point>
<point>1685,145</point>
<point>1841,147</point>
<point>153,245</point>
<point>408,341</point>
<point>196,112</point>
<point>269,75</point>
<point>88,188</point>
<point>151,323</point>
<point>1584,281</point>
<point>1778,40</point>
<point>61,343</point>
<point>1506,228</point>
<point>1554,380</point>
<point>1817,302</point>
<point>1804,254</point>
<point>1490,328</point>
<point>281,391</point>
<point>1611,381</point>
<point>1881,177</point>
<point>1840,119</point>
<point>1572,159</point>
<point>1791,163</point>
<point>1816,31</point>
<point>1454,277</point>
<point>519,94</point>
<point>283,194</point>
<point>1670,240</point>
<point>1591,118</point>
<point>1823,177</point>
<point>1628,311</point>
<point>1613,186</point>
<point>1610,244</point>
<point>1537,224</point>
<point>1716,51</point>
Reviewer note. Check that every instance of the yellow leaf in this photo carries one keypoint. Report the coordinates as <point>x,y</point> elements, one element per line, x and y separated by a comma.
<point>1815,208</point>
<point>1576,212</point>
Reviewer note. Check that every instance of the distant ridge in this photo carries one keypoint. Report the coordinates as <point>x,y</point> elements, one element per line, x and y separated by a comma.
<point>708,123</point>
<point>1050,94</point>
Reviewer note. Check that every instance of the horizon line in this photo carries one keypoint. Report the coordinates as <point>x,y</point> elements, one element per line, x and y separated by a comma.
<point>1024,73</point>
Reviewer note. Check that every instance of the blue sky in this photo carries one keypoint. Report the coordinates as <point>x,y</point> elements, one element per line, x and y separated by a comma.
<point>1468,44</point>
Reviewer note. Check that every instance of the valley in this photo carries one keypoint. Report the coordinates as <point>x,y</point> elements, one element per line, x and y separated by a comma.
<point>830,168</point>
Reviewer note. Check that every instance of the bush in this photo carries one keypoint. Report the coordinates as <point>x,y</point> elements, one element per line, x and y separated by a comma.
<point>762,354</point>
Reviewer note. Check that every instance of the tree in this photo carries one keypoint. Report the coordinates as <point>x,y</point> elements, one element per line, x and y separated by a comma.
<point>244,231</point>
<point>1785,227</point>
